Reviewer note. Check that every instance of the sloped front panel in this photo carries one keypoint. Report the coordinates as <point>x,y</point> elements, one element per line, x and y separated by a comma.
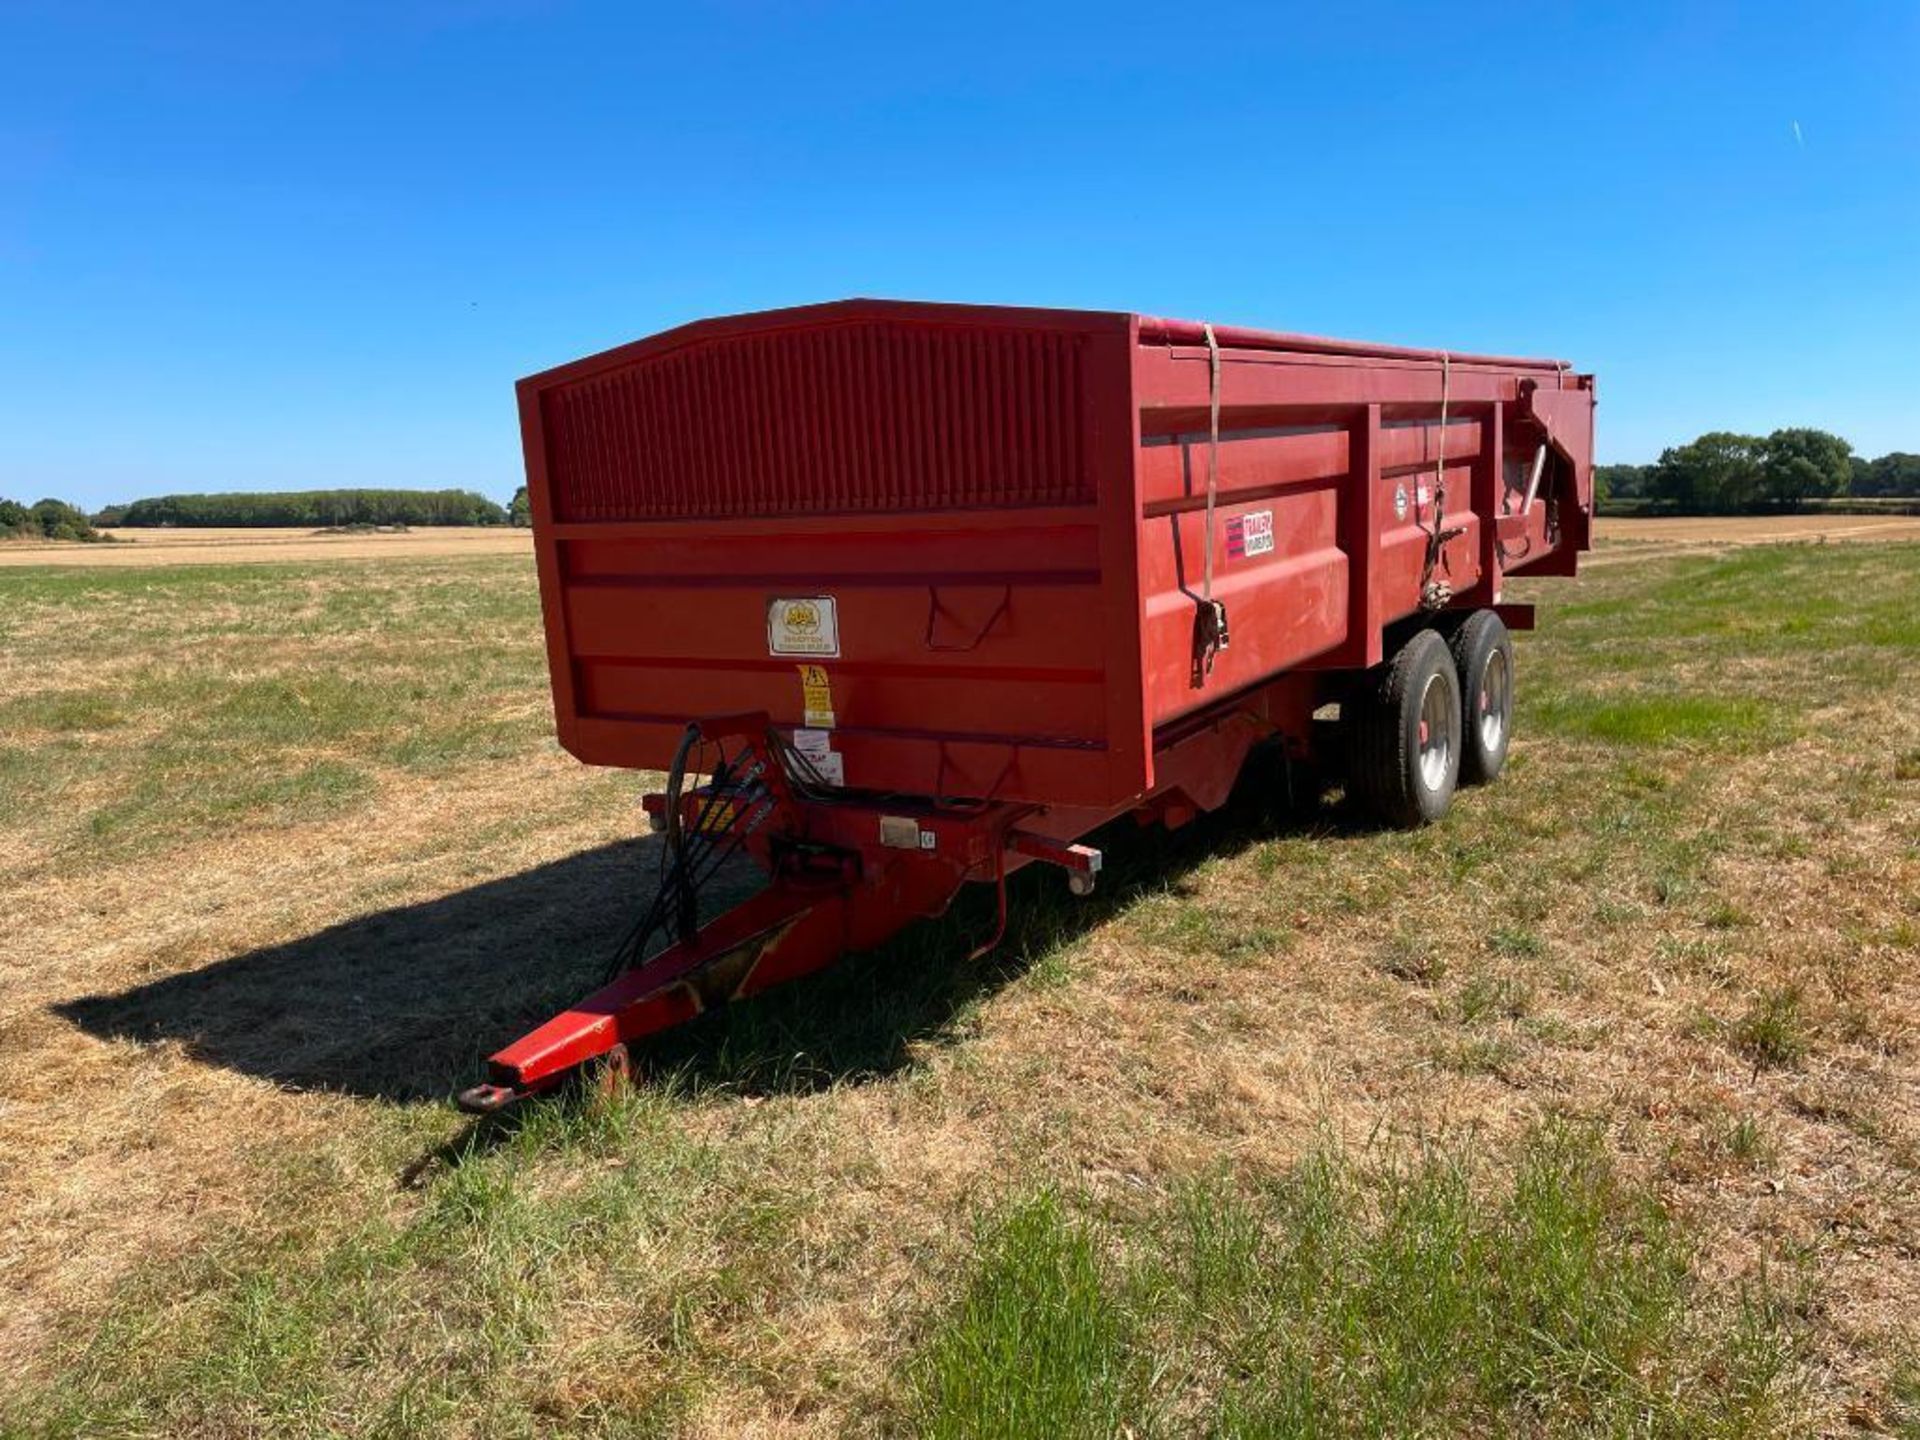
<point>857,416</point>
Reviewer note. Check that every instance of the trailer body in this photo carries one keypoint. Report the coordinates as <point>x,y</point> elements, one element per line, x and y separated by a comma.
<point>1001,574</point>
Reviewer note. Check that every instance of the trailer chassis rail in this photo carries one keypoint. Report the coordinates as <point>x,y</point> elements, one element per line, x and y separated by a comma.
<point>846,872</point>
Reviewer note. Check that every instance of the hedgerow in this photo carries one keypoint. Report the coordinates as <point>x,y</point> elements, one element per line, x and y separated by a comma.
<point>317,507</point>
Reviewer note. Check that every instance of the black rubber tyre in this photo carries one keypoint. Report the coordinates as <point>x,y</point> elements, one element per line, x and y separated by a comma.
<point>1483,655</point>
<point>1403,734</point>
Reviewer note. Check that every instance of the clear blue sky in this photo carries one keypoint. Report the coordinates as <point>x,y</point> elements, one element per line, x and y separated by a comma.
<point>264,245</point>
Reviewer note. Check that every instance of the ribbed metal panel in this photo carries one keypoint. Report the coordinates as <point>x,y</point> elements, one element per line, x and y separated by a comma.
<point>861,416</point>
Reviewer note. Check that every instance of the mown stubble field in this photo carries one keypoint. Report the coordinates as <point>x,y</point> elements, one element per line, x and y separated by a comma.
<point>1591,1110</point>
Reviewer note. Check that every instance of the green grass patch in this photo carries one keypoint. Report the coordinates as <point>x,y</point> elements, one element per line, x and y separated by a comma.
<point>177,701</point>
<point>1486,997</point>
<point>1904,1390</point>
<point>1040,1343</point>
<point>1171,919</point>
<point>1657,719</point>
<point>1349,1299</point>
<point>1516,941</point>
<point>1773,1032</point>
<point>163,805</point>
<point>62,711</point>
<point>1494,1055</point>
<point>1744,1140</point>
<point>400,1324</point>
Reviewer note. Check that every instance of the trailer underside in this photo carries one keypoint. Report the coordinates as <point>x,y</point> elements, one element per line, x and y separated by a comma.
<point>846,871</point>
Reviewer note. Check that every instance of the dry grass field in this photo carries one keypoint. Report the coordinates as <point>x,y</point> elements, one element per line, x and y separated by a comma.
<point>216,546</point>
<point>1754,529</point>
<point>1622,539</point>
<point>1593,1110</point>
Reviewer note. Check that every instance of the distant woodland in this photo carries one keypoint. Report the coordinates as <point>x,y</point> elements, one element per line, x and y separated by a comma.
<point>1722,473</point>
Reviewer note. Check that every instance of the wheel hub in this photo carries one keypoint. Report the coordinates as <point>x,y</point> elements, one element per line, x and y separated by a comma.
<point>1496,697</point>
<point>1438,716</point>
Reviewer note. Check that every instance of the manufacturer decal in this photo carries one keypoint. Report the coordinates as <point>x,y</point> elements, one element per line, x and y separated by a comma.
<point>901,832</point>
<point>1399,502</point>
<point>808,625</point>
<point>816,696</point>
<point>1250,534</point>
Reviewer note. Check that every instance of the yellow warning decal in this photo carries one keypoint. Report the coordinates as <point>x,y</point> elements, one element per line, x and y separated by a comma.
<point>816,696</point>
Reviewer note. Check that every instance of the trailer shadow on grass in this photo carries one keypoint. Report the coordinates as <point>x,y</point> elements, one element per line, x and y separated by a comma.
<point>401,1004</point>
<point>864,1016</point>
<point>405,1004</point>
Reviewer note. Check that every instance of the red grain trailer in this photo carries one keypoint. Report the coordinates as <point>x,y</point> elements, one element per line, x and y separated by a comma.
<point>902,596</point>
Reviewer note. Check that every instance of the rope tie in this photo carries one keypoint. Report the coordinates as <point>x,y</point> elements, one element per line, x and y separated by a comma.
<point>1434,594</point>
<point>1213,453</point>
<point>1210,618</point>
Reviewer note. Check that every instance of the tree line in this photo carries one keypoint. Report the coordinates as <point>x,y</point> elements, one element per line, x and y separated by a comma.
<point>1722,473</point>
<point>310,507</point>
<point>45,520</point>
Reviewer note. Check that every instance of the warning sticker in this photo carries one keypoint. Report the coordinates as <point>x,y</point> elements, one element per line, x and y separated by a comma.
<point>717,817</point>
<point>816,748</point>
<point>1250,534</point>
<point>806,626</point>
<point>816,696</point>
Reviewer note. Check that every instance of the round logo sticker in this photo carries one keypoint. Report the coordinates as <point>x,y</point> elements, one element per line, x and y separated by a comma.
<point>803,625</point>
<point>1399,502</point>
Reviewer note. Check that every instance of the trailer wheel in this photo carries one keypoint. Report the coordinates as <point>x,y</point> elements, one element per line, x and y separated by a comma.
<point>1483,653</point>
<point>1404,737</point>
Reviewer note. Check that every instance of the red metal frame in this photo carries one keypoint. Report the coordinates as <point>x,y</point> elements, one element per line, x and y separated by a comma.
<point>846,873</point>
<point>1008,512</point>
